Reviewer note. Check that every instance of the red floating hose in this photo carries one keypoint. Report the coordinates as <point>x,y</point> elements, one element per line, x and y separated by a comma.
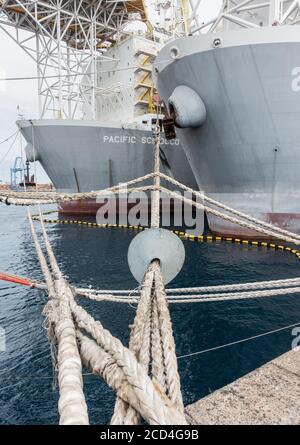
<point>17,280</point>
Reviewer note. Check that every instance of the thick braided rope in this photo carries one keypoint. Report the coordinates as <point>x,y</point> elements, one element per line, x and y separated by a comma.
<point>158,407</point>
<point>50,310</point>
<point>22,198</point>
<point>52,259</point>
<point>235,296</point>
<point>26,202</point>
<point>224,288</point>
<point>229,209</point>
<point>34,201</point>
<point>107,297</point>
<point>158,366</point>
<point>259,285</point>
<point>144,357</point>
<point>162,412</point>
<point>168,343</point>
<point>141,333</point>
<point>270,230</point>
<point>102,363</point>
<point>116,346</point>
<point>72,406</point>
<point>144,354</point>
<point>81,195</point>
<point>155,201</point>
<point>135,345</point>
<point>163,350</point>
<point>201,298</point>
<point>272,233</point>
<point>120,411</point>
<point>42,260</point>
<point>141,313</point>
<point>241,286</point>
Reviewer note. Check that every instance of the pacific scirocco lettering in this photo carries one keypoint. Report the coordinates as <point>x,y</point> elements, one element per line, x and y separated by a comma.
<point>120,139</point>
<point>126,139</point>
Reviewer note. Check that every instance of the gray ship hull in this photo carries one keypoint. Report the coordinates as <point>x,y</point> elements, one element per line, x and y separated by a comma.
<point>84,156</point>
<point>247,152</point>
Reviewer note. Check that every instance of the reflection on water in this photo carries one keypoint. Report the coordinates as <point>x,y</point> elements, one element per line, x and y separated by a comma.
<point>98,257</point>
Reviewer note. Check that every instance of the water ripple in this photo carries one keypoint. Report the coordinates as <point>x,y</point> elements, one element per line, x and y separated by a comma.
<point>99,258</point>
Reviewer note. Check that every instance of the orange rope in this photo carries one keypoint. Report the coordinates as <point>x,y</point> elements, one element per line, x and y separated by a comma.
<point>17,280</point>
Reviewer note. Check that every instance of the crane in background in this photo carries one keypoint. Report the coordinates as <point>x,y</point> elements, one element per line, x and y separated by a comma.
<point>20,175</point>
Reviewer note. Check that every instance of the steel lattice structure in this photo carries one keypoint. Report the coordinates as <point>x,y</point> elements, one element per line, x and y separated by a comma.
<point>65,39</point>
<point>247,14</point>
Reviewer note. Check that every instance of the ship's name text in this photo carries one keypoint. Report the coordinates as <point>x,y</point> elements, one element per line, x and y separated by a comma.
<point>122,139</point>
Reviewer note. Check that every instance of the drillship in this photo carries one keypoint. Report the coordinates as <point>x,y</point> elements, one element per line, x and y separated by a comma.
<point>116,146</point>
<point>234,93</point>
<point>95,79</point>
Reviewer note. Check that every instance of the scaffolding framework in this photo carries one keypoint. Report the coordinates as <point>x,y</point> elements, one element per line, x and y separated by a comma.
<point>246,14</point>
<point>65,38</point>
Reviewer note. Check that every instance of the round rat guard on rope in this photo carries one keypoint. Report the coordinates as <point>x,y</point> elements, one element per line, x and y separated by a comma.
<point>157,401</point>
<point>151,336</point>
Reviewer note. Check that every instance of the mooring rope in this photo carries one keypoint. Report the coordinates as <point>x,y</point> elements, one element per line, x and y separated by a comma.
<point>177,295</point>
<point>155,201</point>
<point>157,350</point>
<point>234,296</point>
<point>205,198</point>
<point>202,298</point>
<point>237,342</point>
<point>188,290</point>
<point>42,197</point>
<point>155,408</point>
<point>154,299</point>
<point>129,376</point>
<point>254,227</point>
<point>247,221</point>
<point>72,405</point>
<point>145,375</point>
<point>140,339</point>
<point>167,342</point>
<point>123,411</point>
<point>21,198</point>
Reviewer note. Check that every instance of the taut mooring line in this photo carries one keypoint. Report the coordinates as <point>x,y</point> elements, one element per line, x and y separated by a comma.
<point>244,340</point>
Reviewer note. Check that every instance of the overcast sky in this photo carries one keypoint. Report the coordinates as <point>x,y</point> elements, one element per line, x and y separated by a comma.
<point>15,63</point>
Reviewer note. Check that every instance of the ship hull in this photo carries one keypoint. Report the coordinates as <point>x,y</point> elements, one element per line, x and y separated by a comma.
<point>81,156</point>
<point>247,152</point>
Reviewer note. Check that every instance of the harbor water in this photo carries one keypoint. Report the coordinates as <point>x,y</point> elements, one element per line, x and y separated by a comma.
<point>98,258</point>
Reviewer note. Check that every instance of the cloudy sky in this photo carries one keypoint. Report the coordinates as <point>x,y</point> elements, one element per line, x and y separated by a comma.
<point>15,63</point>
